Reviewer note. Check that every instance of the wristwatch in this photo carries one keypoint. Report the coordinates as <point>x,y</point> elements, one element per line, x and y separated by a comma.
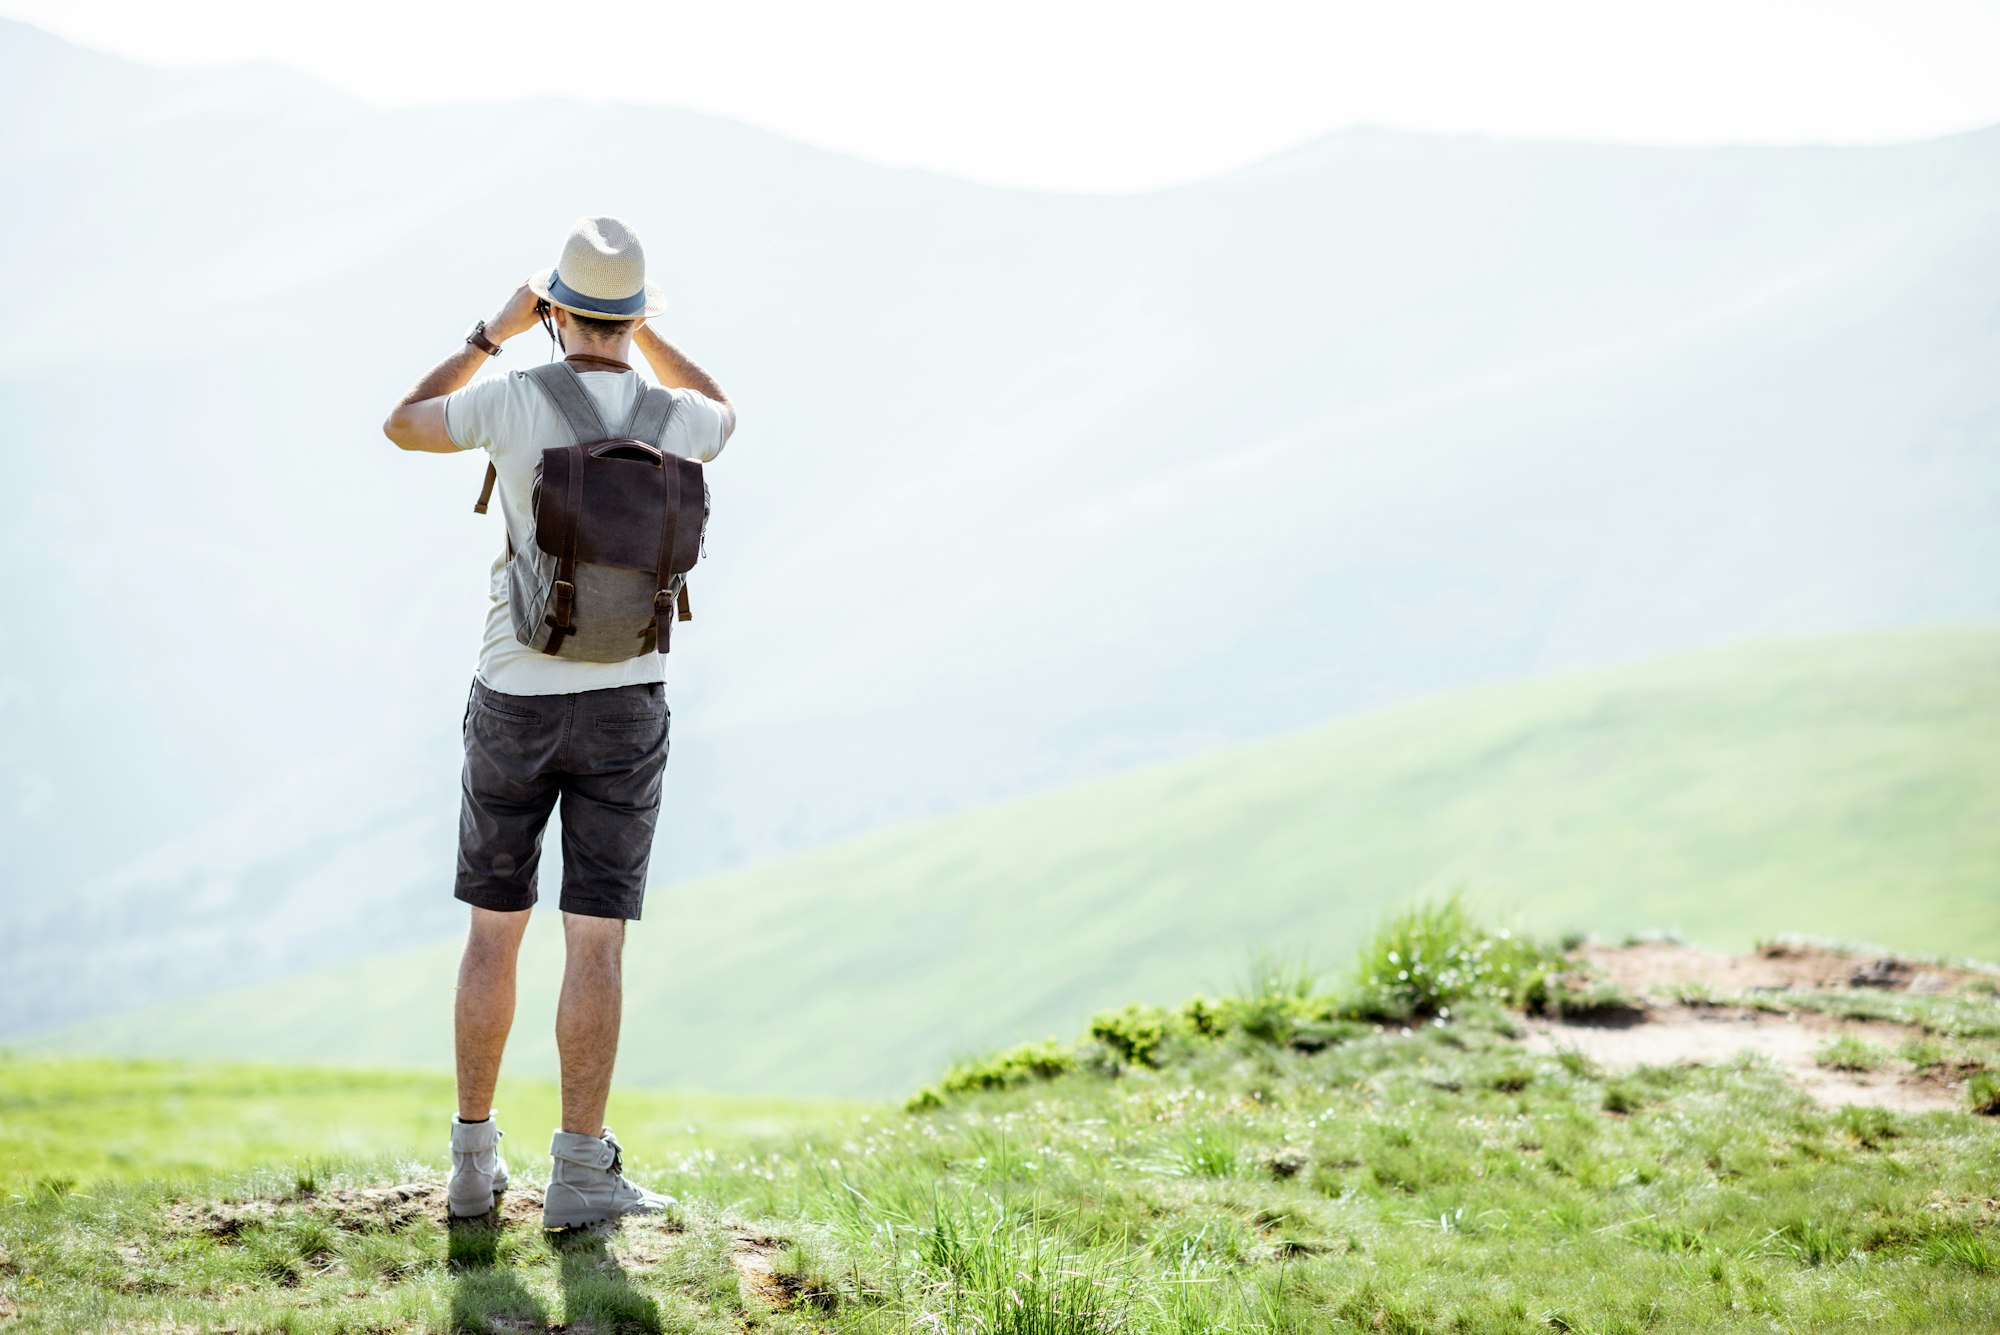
<point>477,338</point>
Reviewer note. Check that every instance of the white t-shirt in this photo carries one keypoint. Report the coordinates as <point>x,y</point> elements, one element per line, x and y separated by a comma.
<point>510,418</point>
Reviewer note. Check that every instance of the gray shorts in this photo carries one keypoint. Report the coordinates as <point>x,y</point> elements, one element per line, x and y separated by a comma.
<point>601,753</point>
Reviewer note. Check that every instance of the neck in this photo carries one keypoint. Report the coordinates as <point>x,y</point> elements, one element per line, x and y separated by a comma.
<point>591,361</point>
<point>609,349</point>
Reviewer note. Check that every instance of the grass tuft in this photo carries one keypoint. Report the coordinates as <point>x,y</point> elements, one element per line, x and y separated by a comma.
<point>1849,1053</point>
<point>1435,956</point>
<point>1017,1066</point>
<point>1923,1054</point>
<point>1135,1033</point>
<point>1982,1092</point>
<point>1867,1127</point>
<point>806,1278</point>
<point>981,1269</point>
<point>1203,1151</point>
<point>1811,1242</point>
<point>1963,1249</point>
<point>1623,1097</point>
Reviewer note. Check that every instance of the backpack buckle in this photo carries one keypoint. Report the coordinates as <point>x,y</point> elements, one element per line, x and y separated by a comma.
<point>663,601</point>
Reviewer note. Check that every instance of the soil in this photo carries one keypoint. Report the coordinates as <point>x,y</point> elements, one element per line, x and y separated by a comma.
<point>751,1254</point>
<point>354,1209</point>
<point>364,1209</point>
<point>1658,966</point>
<point>1665,1031</point>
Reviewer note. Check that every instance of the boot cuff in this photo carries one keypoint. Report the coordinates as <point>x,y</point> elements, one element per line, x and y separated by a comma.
<point>586,1151</point>
<point>474,1135</point>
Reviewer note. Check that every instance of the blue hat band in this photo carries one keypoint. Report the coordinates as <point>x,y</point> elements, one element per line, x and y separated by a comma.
<point>565,295</point>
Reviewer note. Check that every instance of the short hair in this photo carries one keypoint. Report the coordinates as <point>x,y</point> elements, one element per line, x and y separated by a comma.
<point>600,328</point>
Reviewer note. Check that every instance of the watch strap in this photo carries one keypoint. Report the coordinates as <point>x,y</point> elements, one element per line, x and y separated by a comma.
<point>477,338</point>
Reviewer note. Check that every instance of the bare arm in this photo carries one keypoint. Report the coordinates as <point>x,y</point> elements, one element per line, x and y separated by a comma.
<point>417,422</point>
<point>675,371</point>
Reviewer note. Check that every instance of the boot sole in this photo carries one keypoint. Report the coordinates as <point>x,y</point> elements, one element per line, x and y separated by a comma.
<point>452,1210</point>
<point>564,1225</point>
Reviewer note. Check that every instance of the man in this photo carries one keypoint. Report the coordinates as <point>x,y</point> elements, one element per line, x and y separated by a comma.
<point>540,729</point>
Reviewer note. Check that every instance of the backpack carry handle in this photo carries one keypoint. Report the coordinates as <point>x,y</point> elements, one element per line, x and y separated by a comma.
<point>638,451</point>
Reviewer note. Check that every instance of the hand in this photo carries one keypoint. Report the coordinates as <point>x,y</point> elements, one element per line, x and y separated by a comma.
<point>516,317</point>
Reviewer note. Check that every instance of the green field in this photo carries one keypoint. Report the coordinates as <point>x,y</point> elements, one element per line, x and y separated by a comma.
<point>1285,1160</point>
<point>87,1120</point>
<point>1838,787</point>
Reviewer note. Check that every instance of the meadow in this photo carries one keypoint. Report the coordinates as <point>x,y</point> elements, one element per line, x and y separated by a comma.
<point>1381,1154</point>
<point>65,1121</point>
<point>1838,787</point>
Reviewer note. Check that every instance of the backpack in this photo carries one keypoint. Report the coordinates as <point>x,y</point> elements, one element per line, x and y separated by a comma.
<point>618,523</point>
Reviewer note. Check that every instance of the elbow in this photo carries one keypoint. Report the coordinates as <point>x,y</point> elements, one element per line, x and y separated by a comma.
<point>396,429</point>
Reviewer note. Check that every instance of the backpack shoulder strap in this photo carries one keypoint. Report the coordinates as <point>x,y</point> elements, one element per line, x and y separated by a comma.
<point>650,415</point>
<point>485,495</point>
<point>564,387</point>
<point>670,522</point>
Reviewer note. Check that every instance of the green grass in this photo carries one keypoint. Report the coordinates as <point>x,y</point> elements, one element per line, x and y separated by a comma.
<point>1225,1176</point>
<point>1848,1053</point>
<point>1840,786</point>
<point>1434,957</point>
<point>86,1121</point>
<point>1983,1093</point>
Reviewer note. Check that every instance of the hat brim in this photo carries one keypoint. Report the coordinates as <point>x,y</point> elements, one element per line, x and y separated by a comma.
<point>539,285</point>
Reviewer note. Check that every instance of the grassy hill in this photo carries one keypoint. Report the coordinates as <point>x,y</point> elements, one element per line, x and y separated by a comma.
<point>1265,1163</point>
<point>1839,786</point>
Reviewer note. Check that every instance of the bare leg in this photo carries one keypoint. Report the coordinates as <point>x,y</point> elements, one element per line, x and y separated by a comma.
<point>587,1018</point>
<point>485,1006</point>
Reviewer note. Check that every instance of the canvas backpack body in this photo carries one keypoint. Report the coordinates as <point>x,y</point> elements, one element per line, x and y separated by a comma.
<point>617,524</point>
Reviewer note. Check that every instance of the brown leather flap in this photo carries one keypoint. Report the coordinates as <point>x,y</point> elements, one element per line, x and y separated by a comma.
<point>622,496</point>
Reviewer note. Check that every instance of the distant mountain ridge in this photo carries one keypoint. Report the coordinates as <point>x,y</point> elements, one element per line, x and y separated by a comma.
<point>1030,488</point>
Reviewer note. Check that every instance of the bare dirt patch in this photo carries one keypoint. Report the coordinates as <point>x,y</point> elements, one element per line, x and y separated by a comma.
<point>645,1241</point>
<point>351,1209</point>
<point>1707,1036</point>
<point>751,1252</point>
<point>1665,1030</point>
<point>1656,968</point>
<point>648,1239</point>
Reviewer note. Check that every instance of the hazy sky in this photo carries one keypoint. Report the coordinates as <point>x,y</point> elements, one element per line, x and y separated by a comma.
<point>1113,94</point>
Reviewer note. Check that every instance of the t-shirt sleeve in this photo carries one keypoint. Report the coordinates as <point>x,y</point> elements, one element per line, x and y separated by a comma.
<point>472,415</point>
<point>701,424</point>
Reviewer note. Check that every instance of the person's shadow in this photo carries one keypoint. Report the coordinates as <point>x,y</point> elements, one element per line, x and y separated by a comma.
<point>484,1290</point>
<point>597,1293</point>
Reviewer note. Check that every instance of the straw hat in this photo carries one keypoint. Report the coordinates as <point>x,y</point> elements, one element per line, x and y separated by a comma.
<point>602,273</point>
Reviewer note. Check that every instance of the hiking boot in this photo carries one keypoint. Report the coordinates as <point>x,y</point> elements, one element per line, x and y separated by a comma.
<point>477,1175</point>
<point>588,1185</point>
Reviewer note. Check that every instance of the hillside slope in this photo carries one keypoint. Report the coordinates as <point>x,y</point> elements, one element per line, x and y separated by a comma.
<point>1841,786</point>
<point>1262,1164</point>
